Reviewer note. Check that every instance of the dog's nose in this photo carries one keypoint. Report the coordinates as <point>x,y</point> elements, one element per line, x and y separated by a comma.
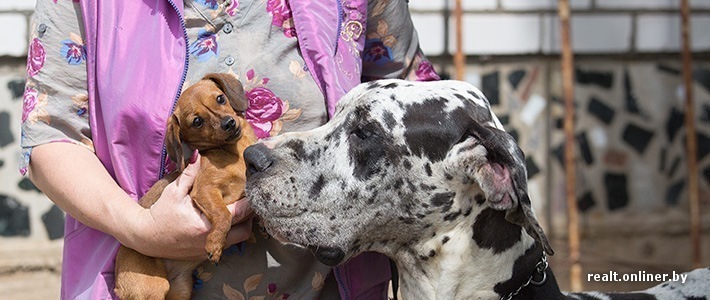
<point>228,124</point>
<point>258,158</point>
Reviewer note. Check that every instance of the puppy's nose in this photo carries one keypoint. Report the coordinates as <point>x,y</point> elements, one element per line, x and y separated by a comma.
<point>258,158</point>
<point>228,124</point>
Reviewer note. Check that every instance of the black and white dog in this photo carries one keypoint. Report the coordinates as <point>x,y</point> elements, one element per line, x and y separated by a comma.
<point>424,173</point>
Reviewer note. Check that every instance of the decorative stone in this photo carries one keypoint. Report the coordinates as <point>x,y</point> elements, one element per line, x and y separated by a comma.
<point>532,167</point>
<point>703,146</point>
<point>17,88</point>
<point>600,110</point>
<point>615,158</point>
<point>53,221</point>
<point>602,79</point>
<point>674,166</point>
<point>675,121</point>
<point>637,137</point>
<point>702,76</point>
<point>663,159</point>
<point>27,185</point>
<point>705,113</point>
<point>673,193</point>
<point>631,102</point>
<point>617,194</point>
<point>585,202</point>
<point>6,137</point>
<point>505,120</point>
<point>14,217</point>
<point>668,69</point>
<point>515,77</point>
<point>584,150</point>
<point>489,87</point>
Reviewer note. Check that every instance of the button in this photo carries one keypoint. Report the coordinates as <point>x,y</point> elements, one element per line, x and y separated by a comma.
<point>229,60</point>
<point>228,28</point>
<point>42,28</point>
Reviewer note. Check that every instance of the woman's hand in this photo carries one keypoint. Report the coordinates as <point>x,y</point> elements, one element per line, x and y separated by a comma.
<point>74,179</point>
<point>174,228</point>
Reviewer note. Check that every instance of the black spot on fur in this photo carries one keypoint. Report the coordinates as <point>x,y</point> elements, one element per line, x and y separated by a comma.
<point>468,212</point>
<point>390,85</point>
<point>452,216</point>
<point>372,85</point>
<point>480,199</point>
<point>407,165</point>
<point>442,199</point>
<point>444,240</point>
<point>388,119</point>
<point>317,187</point>
<point>492,231</point>
<point>523,267</point>
<point>432,253</point>
<point>370,147</point>
<point>427,168</point>
<point>430,131</point>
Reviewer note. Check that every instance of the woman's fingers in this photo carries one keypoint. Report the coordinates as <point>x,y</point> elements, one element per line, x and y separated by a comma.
<point>187,178</point>
<point>239,233</point>
<point>240,210</point>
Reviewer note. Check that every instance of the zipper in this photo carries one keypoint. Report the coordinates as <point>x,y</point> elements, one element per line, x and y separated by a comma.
<point>340,26</point>
<point>164,151</point>
<point>339,280</point>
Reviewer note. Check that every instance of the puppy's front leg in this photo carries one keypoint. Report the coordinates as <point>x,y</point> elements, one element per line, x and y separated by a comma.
<point>209,200</point>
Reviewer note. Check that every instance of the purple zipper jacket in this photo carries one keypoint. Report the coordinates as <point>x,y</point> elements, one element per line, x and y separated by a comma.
<point>129,141</point>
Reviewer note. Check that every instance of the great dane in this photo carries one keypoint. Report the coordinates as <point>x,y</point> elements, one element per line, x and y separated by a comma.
<point>424,173</point>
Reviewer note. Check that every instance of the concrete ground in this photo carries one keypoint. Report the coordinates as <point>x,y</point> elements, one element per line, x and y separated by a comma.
<point>29,270</point>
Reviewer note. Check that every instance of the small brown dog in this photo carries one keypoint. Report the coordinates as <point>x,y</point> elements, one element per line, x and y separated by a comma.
<point>209,117</point>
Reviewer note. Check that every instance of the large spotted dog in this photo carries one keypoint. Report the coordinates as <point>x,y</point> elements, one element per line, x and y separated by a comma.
<point>424,173</point>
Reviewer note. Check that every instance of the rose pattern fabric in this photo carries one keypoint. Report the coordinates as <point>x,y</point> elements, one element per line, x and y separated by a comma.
<point>281,16</point>
<point>29,102</point>
<point>211,4</point>
<point>232,8</point>
<point>73,51</point>
<point>377,52</point>
<point>264,109</point>
<point>205,47</point>
<point>426,72</point>
<point>35,57</point>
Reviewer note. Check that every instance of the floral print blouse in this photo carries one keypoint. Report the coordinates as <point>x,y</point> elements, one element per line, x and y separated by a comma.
<point>282,97</point>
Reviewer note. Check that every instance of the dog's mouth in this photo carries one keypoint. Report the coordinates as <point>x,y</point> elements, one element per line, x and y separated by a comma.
<point>234,136</point>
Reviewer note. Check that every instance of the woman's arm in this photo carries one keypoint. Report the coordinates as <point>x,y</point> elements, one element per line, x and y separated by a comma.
<point>77,182</point>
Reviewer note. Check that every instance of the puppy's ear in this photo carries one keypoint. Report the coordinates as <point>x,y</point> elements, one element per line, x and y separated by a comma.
<point>232,88</point>
<point>173,143</point>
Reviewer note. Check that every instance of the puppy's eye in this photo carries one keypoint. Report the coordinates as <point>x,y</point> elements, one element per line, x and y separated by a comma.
<point>197,122</point>
<point>221,99</point>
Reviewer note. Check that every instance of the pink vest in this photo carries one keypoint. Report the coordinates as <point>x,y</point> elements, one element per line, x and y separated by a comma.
<point>137,56</point>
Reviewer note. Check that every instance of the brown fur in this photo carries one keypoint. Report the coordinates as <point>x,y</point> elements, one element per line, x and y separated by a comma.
<point>220,181</point>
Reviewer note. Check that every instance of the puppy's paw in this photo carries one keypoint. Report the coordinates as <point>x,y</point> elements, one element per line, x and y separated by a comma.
<point>214,252</point>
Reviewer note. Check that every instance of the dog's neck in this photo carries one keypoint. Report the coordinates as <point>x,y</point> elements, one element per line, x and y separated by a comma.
<point>451,265</point>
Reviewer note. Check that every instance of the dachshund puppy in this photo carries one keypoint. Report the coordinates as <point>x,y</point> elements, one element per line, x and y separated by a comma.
<point>209,117</point>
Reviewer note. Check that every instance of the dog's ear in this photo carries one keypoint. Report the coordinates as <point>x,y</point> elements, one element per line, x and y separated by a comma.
<point>232,88</point>
<point>502,149</point>
<point>173,143</point>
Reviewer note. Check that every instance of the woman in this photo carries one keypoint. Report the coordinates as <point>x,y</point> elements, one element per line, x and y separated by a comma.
<point>102,78</point>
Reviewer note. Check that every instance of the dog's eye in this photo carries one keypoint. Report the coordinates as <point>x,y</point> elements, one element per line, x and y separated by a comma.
<point>221,99</point>
<point>197,122</point>
<point>361,133</point>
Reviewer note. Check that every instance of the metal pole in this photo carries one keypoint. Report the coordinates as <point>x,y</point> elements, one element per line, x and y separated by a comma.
<point>691,141</point>
<point>570,167</point>
<point>459,59</point>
